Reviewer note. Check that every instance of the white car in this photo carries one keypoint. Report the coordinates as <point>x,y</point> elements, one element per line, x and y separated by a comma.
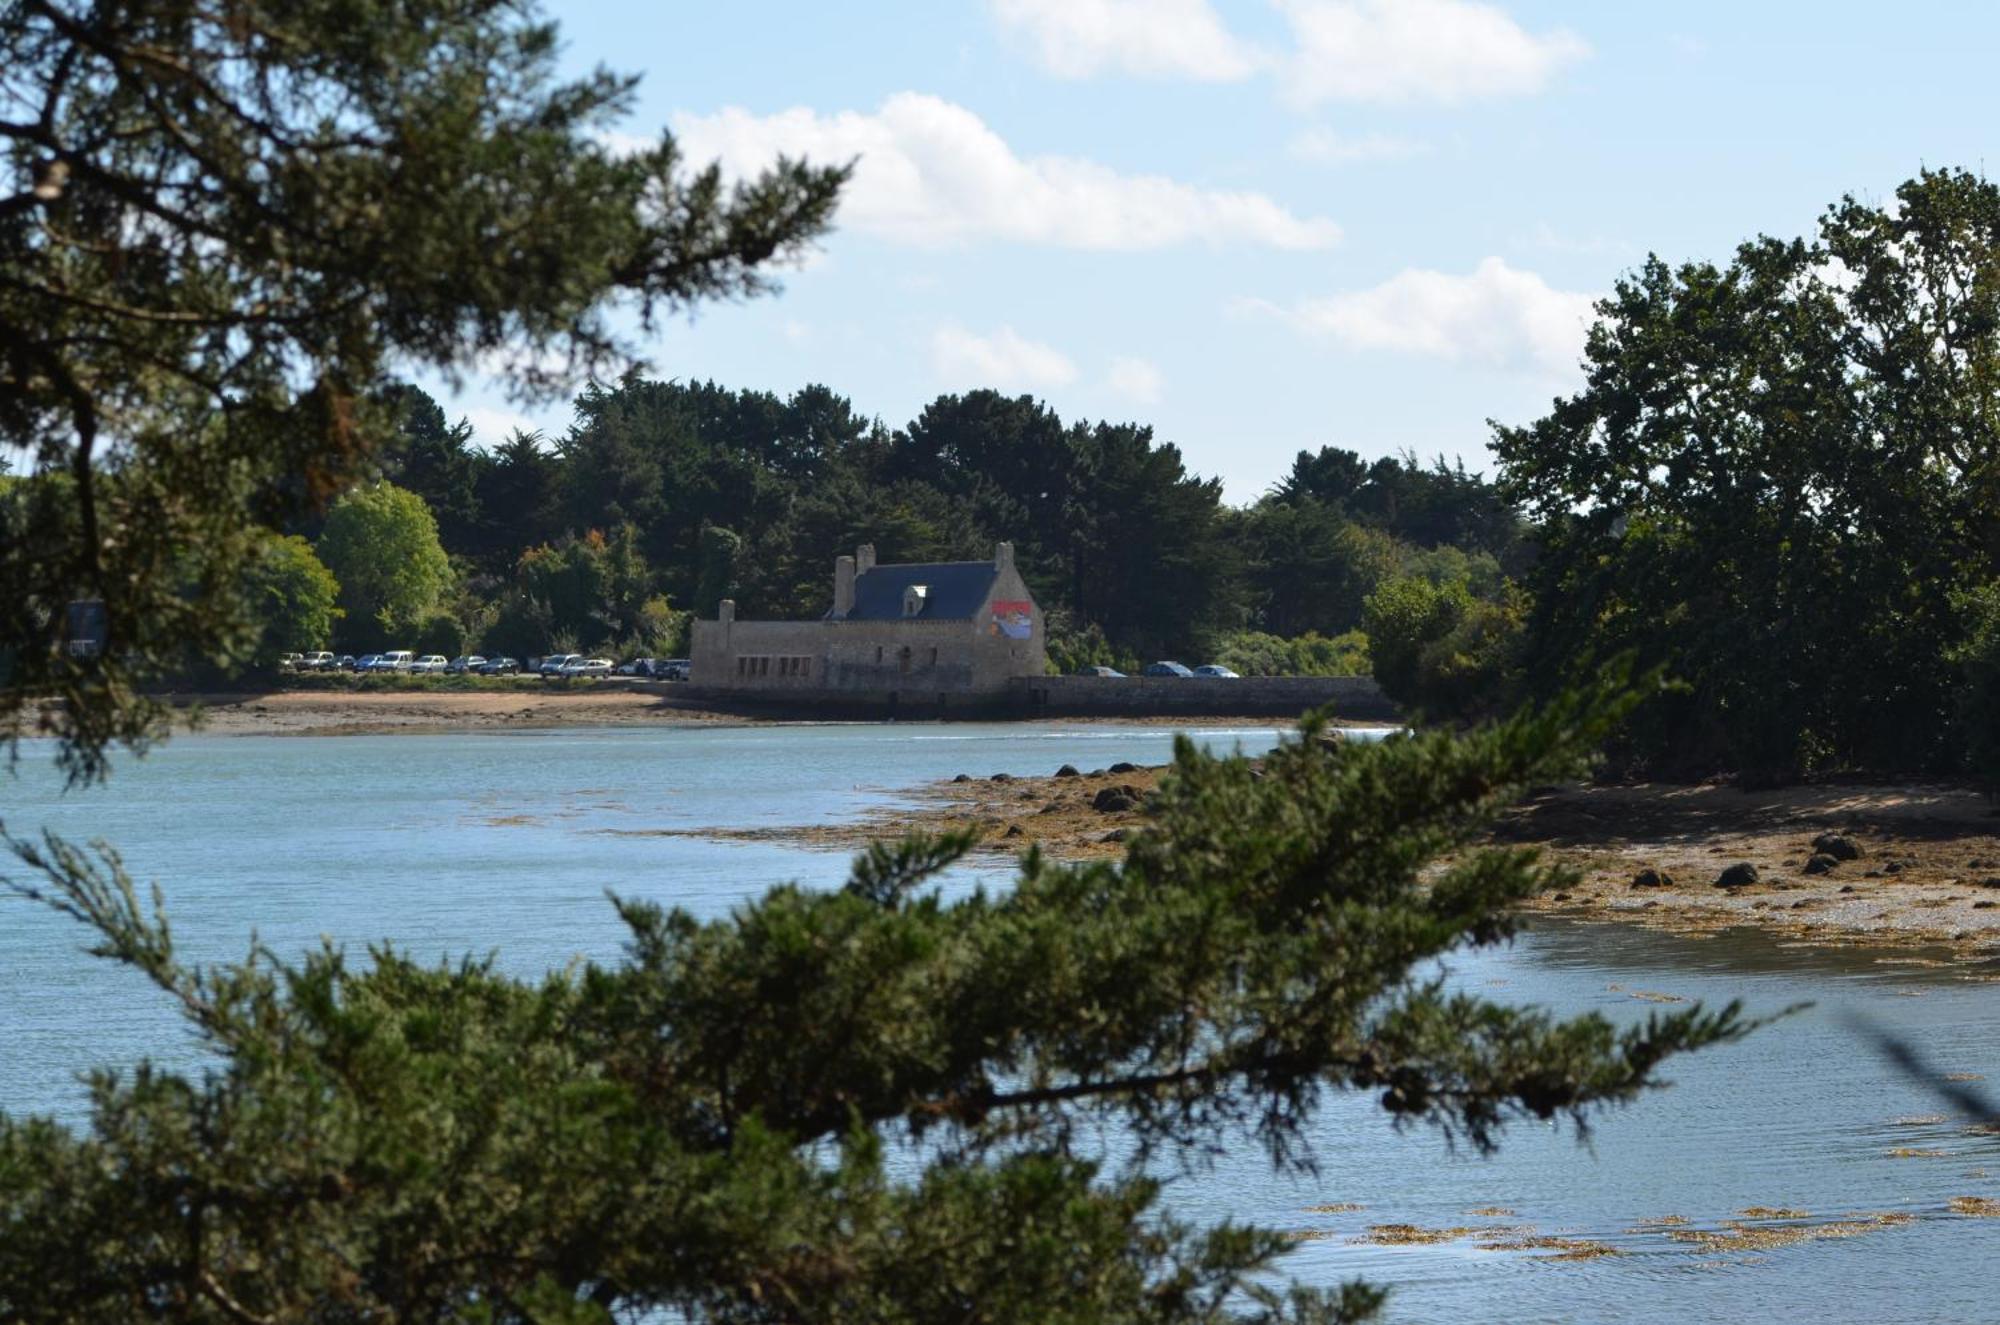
<point>316,662</point>
<point>588,667</point>
<point>397,660</point>
<point>553,664</point>
<point>430,662</point>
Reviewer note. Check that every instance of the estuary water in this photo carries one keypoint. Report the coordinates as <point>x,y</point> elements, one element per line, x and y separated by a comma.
<point>508,842</point>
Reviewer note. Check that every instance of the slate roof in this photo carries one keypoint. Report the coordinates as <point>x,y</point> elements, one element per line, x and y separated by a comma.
<point>956,590</point>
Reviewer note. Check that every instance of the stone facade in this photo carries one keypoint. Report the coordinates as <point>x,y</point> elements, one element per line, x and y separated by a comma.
<point>921,632</point>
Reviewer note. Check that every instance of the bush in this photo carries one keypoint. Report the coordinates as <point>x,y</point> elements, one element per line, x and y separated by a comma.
<point>1438,649</point>
<point>1253,653</point>
<point>1069,651</point>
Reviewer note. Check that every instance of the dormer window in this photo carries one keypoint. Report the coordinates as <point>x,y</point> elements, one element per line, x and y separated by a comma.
<point>914,597</point>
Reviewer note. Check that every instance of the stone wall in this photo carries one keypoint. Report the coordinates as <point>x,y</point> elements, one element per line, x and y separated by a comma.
<point>1355,697</point>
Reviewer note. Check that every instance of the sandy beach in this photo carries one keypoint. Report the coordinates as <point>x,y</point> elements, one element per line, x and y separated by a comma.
<point>375,712</point>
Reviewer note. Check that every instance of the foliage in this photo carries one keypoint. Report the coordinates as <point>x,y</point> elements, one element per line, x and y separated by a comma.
<point>1783,472</point>
<point>1252,653</point>
<point>750,495</point>
<point>1438,649</point>
<point>720,549</point>
<point>382,545</point>
<point>1070,650</point>
<point>294,599</point>
<point>1978,659</point>
<point>862,1105</point>
<point>222,221</point>
<point>1401,620</point>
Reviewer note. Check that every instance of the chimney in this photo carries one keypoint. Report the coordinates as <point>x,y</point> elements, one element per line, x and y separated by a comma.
<point>1003,556</point>
<point>864,559</point>
<point>843,587</point>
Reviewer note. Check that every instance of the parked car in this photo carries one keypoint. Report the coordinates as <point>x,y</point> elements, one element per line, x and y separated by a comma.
<point>1215,669</point>
<point>554,663</point>
<point>587,667</point>
<point>316,662</point>
<point>464,662</point>
<point>671,669</point>
<point>344,663</point>
<point>637,667</point>
<point>1093,669</point>
<point>430,663</point>
<point>367,662</point>
<point>396,660</point>
<point>1166,669</point>
<point>498,666</point>
<point>289,662</point>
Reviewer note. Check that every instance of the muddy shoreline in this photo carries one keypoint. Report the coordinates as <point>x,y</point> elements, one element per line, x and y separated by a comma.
<point>1925,874</point>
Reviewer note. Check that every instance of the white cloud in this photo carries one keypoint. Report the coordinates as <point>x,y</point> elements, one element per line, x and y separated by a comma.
<point>1005,360</point>
<point>1150,38</point>
<point>1330,147</point>
<point>932,173</point>
<point>1498,316</point>
<point>1402,51</point>
<point>1136,379</point>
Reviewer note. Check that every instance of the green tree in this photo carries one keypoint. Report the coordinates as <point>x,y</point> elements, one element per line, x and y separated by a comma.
<point>720,549</point>
<point>382,545</point>
<point>294,599</point>
<point>1404,618</point>
<point>704,1129</point>
<point>437,461</point>
<point>1782,470</point>
<point>207,206</point>
<point>520,495</point>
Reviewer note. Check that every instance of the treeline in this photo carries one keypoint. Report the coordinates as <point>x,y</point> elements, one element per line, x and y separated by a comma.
<point>663,498</point>
<point>1779,490</point>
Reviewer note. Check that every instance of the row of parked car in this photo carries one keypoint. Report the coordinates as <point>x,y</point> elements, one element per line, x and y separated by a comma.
<point>555,664</point>
<point>1162,669</point>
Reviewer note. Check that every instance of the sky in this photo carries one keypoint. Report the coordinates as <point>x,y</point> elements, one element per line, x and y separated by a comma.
<point>1262,226</point>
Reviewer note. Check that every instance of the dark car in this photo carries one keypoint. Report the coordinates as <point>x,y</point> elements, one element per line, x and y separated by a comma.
<point>670,669</point>
<point>1095,670</point>
<point>498,667</point>
<point>1167,669</point>
<point>1215,669</point>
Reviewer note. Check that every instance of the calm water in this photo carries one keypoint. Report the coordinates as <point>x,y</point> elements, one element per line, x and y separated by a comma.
<point>508,842</point>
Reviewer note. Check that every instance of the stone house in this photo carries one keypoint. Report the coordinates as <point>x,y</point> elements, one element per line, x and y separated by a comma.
<point>923,632</point>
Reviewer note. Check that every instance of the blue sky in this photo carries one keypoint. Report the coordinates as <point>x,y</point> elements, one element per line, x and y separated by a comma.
<point>1265,225</point>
